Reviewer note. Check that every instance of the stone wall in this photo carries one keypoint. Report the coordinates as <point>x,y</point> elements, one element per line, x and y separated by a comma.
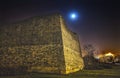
<point>71,47</point>
<point>36,43</point>
<point>42,44</point>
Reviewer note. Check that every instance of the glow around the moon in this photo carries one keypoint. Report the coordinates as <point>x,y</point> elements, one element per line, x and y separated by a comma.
<point>73,16</point>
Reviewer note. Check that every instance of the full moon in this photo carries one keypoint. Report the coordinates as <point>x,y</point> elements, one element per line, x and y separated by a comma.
<point>73,16</point>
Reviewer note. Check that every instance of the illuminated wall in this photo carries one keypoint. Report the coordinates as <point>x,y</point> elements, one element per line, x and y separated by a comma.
<point>39,44</point>
<point>71,47</point>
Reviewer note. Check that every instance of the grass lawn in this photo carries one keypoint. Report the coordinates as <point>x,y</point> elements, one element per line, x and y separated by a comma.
<point>104,73</point>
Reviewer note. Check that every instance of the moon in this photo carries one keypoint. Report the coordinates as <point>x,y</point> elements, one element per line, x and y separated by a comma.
<point>73,16</point>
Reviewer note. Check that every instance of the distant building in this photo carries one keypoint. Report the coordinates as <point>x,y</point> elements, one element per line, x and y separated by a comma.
<point>42,44</point>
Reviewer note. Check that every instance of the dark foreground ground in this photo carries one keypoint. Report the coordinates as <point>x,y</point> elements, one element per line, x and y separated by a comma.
<point>113,72</point>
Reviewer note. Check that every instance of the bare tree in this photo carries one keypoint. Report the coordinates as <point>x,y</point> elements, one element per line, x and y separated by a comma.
<point>89,59</point>
<point>89,49</point>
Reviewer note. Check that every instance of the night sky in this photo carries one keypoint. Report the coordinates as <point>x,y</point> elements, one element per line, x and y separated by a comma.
<point>98,22</point>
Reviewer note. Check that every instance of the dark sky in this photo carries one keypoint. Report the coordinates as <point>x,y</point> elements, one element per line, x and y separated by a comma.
<point>98,23</point>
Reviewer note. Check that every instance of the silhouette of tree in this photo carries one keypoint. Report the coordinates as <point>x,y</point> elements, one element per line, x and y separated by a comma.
<point>89,49</point>
<point>89,59</point>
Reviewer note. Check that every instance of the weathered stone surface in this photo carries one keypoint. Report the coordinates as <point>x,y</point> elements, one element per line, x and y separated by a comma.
<point>42,44</point>
<point>71,47</point>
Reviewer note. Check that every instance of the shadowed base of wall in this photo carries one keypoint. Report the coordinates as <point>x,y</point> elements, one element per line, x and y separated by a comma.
<point>22,70</point>
<point>7,71</point>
